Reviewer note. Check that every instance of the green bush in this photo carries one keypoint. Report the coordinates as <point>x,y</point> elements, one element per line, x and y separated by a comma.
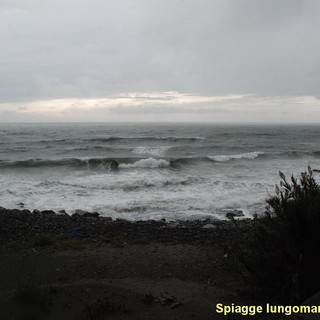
<point>284,255</point>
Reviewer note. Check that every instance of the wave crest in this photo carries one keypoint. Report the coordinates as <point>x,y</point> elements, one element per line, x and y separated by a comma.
<point>226,158</point>
<point>147,163</point>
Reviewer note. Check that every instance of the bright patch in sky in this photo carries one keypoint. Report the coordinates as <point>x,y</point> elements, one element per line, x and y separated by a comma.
<point>167,106</point>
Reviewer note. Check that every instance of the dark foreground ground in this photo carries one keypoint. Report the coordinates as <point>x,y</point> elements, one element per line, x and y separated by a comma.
<point>83,267</point>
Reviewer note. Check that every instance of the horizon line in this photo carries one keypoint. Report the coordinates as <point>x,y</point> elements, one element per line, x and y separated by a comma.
<point>163,122</point>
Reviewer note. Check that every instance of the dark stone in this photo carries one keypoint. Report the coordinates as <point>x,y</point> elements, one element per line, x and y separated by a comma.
<point>25,211</point>
<point>87,214</point>
<point>235,213</point>
<point>209,226</point>
<point>122,221</point>
<point>48,212</point>
<point>92,214</point>
<point>114,165</point>
<point>79,212</point>
<point>172,224</point>
<point>175,305</point>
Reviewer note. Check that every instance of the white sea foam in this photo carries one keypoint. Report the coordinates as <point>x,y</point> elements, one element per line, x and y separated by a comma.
<point>74,173</point>
<point>147,163</point>
<point>225,158</point>
<point>155,151</point>
<point>150,194</point>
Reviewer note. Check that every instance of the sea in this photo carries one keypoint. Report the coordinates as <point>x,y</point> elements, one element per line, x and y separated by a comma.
<point>140,171</point>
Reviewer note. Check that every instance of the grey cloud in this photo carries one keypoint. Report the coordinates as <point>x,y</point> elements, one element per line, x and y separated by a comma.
<point>148,97</point>
<point>151,109</point>
<point>89,49</point>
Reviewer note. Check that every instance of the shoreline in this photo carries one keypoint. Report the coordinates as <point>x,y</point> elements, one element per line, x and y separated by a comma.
<point>21,223</point>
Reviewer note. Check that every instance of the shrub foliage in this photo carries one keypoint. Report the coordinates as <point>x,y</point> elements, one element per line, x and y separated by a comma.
<point>284,255</point>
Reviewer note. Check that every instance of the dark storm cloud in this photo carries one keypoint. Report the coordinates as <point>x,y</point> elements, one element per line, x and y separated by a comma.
<point>92,49</point>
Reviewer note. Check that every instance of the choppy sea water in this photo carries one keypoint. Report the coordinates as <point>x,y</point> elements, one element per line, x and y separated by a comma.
<point>172,171</point>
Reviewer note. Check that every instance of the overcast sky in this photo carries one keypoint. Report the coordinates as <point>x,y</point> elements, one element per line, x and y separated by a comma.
<point>160,60</point>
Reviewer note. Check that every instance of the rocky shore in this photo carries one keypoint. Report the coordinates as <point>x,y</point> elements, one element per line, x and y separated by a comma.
<point>21,225</point>
<point>56,266</point>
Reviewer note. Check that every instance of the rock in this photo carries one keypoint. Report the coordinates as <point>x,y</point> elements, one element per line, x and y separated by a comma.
<point>48,212</point>
<point>123,221</point>
<point>172,224</point>
<point>114,165</point>
<point>209,226</point>
<point>217,222</point>
<point>175,305</point>
<point>169,300</point>
<point>25,211</point>
<point>234,213</point>
<point>36,211</point>
<point>79,212</point>
<point>92,214</point>
<point>83,213</point>
<point>165,298</point>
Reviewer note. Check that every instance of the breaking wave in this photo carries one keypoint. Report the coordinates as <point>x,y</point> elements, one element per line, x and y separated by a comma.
<point>225,158</point>
<point>147,163</point>
<point>93,163</point>
<point>150,162</point>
